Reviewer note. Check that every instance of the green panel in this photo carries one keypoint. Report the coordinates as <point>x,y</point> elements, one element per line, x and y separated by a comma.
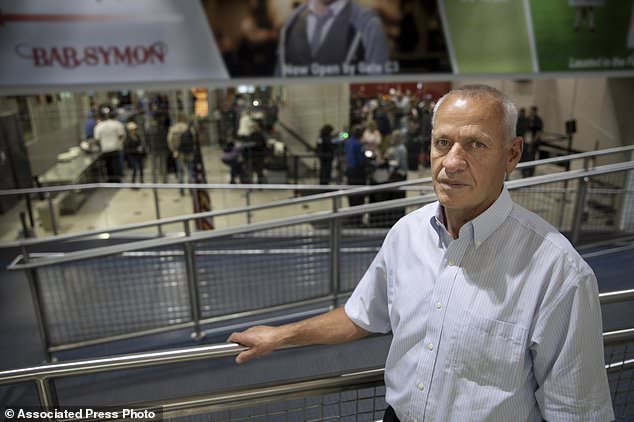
<point>563,46</point>
<point>489,36</point>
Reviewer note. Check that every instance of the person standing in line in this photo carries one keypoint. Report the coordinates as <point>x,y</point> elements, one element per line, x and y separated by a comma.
<point>535,125</point>
<point>110,134</point>
<point>494,314</point>
<point>181,139</point>
<point>399,154</point>
<point>356,172</point>
<point>521,129</point>
<point>231,156</point>
<point>326,153</point>
<point>259,152</point>
<point>134,149</point>
<point>89,127</point>
<point>157,137</point>
<point>371,139</point>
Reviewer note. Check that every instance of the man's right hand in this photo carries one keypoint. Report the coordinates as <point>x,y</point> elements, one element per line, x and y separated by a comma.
<point>260,340</point>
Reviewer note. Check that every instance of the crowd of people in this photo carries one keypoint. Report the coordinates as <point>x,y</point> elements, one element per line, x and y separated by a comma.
<point>389,136</point>
<point>127,139</point>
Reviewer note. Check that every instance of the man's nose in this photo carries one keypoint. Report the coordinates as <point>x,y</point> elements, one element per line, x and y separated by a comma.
<point>455,159</point>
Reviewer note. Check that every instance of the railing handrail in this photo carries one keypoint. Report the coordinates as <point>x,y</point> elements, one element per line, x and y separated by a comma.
<point>336,191</point>
<point>224,186</point>
<point>576,156</point>
<point>189,354</point>
<point>282,186</point>
<point>341,190</point>
<point>303,219</point>
<point>616,296</point>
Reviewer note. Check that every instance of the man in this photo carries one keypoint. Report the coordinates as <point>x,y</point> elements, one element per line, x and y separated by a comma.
<point>494,315</point>
<point>110,134</point>
<point>535,124</point>
<point>181,140</point>
<point>325,151</point>
<point>355,162</point>
<point>399,154</point>
<point>333,38</point>
<point>157,136</point>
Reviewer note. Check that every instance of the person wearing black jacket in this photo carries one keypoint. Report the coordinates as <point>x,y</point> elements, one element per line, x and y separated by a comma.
<point>326,153</point>
<point>134,149</point>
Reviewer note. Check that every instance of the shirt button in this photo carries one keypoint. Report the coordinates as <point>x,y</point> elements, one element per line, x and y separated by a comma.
<point>421,386</point>
<point>451,262</point>
<point>430,346</point>
<point>438,305</point>
<point>478,243</point>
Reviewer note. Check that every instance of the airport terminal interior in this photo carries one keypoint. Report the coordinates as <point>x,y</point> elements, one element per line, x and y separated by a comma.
<point>124,271</point>
<point>111,260</point>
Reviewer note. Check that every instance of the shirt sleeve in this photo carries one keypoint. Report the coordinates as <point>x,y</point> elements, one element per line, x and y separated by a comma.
<point>567,351</point>
<point>376,44</point>
<point>368,305</point>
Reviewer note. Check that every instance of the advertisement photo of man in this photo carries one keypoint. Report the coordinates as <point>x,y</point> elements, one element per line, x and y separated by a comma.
<point>333,37</point>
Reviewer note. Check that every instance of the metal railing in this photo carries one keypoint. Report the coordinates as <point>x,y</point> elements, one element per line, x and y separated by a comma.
<point>199,277</point>
<point>337,191</point>
<point>44,375</point>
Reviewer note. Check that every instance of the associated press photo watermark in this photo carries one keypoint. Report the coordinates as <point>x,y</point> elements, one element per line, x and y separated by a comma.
<point>19,414</point>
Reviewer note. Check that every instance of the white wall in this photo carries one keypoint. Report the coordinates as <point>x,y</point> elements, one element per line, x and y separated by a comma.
<point>56,127</point>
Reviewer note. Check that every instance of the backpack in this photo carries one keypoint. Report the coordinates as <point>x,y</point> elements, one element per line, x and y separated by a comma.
<point>186,145</point>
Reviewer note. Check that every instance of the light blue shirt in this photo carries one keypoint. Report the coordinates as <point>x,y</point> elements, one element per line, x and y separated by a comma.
<point>501,324</point>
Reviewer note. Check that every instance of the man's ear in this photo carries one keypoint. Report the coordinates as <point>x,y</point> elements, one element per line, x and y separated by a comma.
<point>514,153</point>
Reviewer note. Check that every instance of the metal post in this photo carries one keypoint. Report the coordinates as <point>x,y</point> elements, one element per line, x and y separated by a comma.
<point>335,252</point>
<point>26,231</point>
<point>47,393</point>
<point>157,210</point>
<point>29,209</point>
<point>31,275</point>
<point>248,201</point>
<point>579,209</point>
<point>51,213</point>
<point>192,285</point>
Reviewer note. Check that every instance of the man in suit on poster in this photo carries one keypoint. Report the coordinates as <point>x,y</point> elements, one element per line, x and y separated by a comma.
<point>333,38</point>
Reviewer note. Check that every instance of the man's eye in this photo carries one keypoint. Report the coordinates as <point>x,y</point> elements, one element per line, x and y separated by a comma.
<point>478,145</point>
<point>442,142</point>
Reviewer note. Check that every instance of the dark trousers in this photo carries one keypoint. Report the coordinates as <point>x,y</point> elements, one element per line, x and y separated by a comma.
<point>114,165</point>
<point>236,171</point>
<point>325,170</point>
<point>356,176</point>
<point>390,416</point>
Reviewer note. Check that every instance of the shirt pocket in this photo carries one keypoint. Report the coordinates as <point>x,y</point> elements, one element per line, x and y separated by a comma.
<point>489,352</point>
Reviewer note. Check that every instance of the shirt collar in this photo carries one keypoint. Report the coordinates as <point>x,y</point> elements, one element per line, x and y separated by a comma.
<point>335,7</point>
<point>484,225</point>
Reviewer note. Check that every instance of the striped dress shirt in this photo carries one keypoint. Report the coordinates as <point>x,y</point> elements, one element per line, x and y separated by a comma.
<point>501,324</point>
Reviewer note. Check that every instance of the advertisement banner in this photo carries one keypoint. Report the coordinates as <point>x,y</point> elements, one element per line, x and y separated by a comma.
<point>286,38</point>
<point>582,35</point>
<point>489,36</point>
<point>69,42</point>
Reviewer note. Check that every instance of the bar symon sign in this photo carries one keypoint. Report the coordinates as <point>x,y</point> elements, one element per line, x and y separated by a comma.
<point>69,57</point>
